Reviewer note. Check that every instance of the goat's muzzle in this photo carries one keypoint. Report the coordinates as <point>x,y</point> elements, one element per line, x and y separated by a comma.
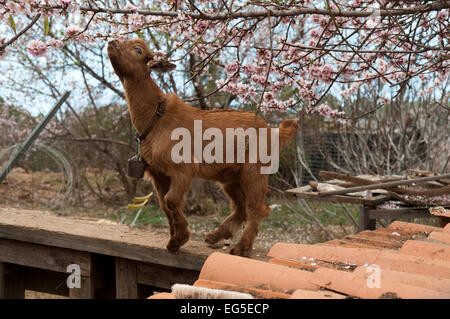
<point>113,43</point>
<point>113,47</point>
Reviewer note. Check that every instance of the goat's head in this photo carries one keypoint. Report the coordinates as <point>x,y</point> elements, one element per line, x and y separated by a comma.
<point>132,59</point>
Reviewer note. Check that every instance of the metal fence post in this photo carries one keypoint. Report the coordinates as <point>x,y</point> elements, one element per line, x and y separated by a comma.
<point>32,137</point>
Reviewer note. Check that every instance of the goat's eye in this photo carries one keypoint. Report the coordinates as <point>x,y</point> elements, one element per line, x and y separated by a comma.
<point>138,50</point>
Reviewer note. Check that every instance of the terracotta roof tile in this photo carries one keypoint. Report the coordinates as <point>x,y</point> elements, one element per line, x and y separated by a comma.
<point>414,264</point>
<point>353,285</point>
<point>358,256</point>
<point>410,264</point>
<point>303,265</point>
<point>395,233</point>
<point>447,228</point>
<point>426,249</point>
<point>440,236</point>
<point>163,295</point>
<point>320,294</point>
<point>347,244</point>
<point>427,282</point>
<point>410,227</point>
<point>259,274</point>
<point>371,239</point>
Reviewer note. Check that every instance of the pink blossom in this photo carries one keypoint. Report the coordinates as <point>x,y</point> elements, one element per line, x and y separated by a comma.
<point>37,48</point>
<point>268,97</point>
<point>314,33</point>
<point>441,16</point>
<point>54,43</point>
<point>232,68</point>
<point>136,20</point>
<point>131,7</point>
<point>326,73</point>
<point>316,18</point>
<point>385,100</point>
<point>72,31</point>
<point>324,109</point>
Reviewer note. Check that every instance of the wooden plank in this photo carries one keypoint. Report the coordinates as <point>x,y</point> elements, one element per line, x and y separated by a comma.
<point>47,281</point>
<point>331,199</point>
<point>385,185</point>
<point>52,282</point>
<point>45,257</point>
<point>103,273</point>
<point>12,283</point>
<point>108,239</point>
<point>86,290</point>
<point>126,279</point>
<point>366,222</point>
<point>164,277</point>
<point>399,213</point>
<point>339,198</point>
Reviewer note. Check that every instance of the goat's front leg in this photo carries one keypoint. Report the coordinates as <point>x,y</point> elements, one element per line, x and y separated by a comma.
<point>162,185</point>
<point>173,205</point>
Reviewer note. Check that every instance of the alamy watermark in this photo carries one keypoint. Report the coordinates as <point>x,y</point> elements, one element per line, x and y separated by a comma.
<point>74,279</point>
<point>374,278</point>
<point>251,140</point>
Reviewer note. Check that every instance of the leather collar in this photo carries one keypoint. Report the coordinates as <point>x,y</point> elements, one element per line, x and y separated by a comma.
<point>160,109</point>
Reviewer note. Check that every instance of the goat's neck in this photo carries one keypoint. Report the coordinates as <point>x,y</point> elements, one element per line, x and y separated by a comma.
<point>143,96</point>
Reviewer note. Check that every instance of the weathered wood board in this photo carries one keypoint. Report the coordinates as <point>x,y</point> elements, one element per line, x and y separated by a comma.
<point>307,193</point>
<point>45,228</point>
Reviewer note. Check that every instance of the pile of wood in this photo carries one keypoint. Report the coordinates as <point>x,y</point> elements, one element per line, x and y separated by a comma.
<point>416,188</point>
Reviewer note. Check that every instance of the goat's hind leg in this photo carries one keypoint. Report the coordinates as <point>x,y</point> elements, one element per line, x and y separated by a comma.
<point>245,244</point>
<point>232,223</point>
<point>256,211</point>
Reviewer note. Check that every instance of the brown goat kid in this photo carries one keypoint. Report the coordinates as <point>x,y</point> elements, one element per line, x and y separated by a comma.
<point>243,183</point>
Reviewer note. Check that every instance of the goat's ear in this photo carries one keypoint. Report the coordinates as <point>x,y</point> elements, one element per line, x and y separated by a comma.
<point>161,66</point>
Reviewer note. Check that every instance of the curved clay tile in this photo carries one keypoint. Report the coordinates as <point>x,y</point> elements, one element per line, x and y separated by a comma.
<point>426,249</point>
<point>353,285</point>
<point>414,227</point>
<point>427,282</point>
<point>440,236</point>
<point>358,256</point>
<point>254,273</point>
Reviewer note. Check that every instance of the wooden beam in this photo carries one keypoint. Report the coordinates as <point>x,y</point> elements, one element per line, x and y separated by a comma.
<point>126,279</point>
<point>399,213</point>
<point>86,290</point>
<point>12,283</point>
<point>44,228</point>
<point>365,222</point>
<point>44,257</point>
<point>338,198</point>
<point>164,277</point>
<point>385,185</point>
<point>47,281</point>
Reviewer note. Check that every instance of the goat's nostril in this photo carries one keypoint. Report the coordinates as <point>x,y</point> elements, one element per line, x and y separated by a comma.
<point>113,43</point>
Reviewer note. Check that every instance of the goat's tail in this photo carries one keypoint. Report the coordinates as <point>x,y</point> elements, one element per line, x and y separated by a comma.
<point>287,130</point>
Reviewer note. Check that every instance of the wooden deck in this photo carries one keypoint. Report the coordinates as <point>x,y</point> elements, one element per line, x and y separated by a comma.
<point>36,247</point>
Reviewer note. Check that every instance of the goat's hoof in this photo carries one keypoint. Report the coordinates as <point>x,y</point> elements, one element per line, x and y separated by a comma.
<point>184,238</point>
<point>240,251</point>
<point>173,245</point>
<point>211,238</point>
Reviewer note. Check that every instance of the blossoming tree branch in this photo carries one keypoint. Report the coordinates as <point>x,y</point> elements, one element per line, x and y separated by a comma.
<point>275,55</point>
